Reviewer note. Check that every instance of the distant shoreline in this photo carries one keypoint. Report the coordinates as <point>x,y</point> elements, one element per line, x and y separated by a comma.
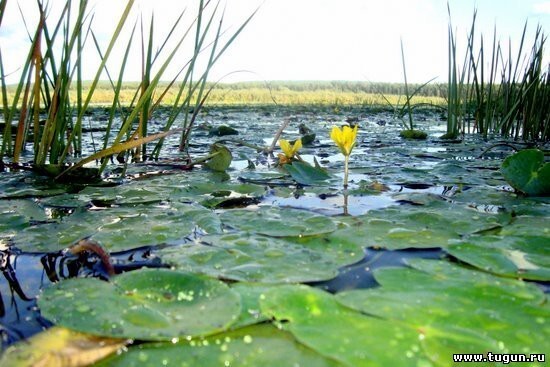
<point>283,93</point>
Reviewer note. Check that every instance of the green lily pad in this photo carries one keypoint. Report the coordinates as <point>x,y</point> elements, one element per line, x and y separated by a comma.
<point>146,304</point>
<point>257,258</point>
<point>526,171</point>
<point>19,185</point>
<point>214,194</point>
<point>413,134</point>
<point>490,201</point>
<point>18,214</point>
<point>121,228</point>
<point>265,177</point>
<point>424,226</point>
<point>221,160</point>
<point>526,257</point>
<point>132,194</point>
<point>222,130</point>
<point>318,321</point>
<point>306,174</point>
<point>455,303</point>
<point>278,222</point>
<point>70,201</point>
<point>259,345</point>
<point>528,225</point>
<point>250,293</point>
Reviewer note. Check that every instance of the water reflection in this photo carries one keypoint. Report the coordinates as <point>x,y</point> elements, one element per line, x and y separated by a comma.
<point>24,275</point>
<point>334,204</point>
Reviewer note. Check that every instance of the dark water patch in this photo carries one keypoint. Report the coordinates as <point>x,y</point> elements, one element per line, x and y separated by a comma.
<point>360,275</point>
<point>24,274</point>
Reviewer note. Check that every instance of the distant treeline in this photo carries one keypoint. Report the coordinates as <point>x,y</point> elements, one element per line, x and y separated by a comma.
<point>279,92</point>
<point>291,92</point>
<point>430,90</point>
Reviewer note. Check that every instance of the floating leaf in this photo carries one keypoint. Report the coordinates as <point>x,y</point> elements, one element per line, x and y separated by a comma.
<point>526,171</point>
<point>265,178</point>
<point>85,175</point>
<point>147,304</point>
<point>528,225</point>
<point>278,222</point>
<point>317,320</point>
<point>61,348</point>
<point>121,228</point>
<point>221,159</point>
<point>426,226</point>
<point>260,345</point>
<point>222,130</point>
<point>250,293</point>
<point>526,257</point>
<point>130,194</point>
<point>305,174</point>
<point>413,134</point>
<point>455,304</point>
<point>18,214</point>
<point>262,259</point>
<point>18,185</point>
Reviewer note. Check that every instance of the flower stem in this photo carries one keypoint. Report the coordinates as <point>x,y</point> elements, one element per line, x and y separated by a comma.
<point>346,171</point>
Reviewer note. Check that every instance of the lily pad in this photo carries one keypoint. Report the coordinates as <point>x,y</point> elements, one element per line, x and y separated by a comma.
<point>526,171</point>
<point>526,257</point>
<point>278,222</point>
<point>147,304</point>
<point>18,214</point>
<point>260,345</point>
<point>419,226</point>
<point>528,225</point>
<point>250,293</point>
<point>213,194</point>
<point>318,321</point>
<point>222,130</point>
<point>454,303</point>
<point>306,174</point>
<point>221,160</point>
<point>131,195</point>
<point>257,258</point>
<point>60,347</point>
<point>121,228</point>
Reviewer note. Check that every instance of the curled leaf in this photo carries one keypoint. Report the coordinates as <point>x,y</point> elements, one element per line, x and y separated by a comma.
<point>60,347</point>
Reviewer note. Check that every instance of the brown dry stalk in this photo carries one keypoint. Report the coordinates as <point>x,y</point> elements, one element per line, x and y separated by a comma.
<point>89,245</point>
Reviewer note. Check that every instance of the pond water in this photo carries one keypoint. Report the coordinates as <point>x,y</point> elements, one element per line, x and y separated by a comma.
<point>409,204</point>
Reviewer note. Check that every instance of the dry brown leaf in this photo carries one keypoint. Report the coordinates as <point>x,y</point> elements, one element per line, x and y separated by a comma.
<point>60,347</point>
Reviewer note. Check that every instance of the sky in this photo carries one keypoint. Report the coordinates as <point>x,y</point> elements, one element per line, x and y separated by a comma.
<point>355,40</point>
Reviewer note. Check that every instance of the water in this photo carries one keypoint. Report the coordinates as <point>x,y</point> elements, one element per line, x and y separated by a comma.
<point>386,172</point>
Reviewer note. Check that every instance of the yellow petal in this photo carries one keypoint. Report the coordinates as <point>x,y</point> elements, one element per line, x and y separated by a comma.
<point>344,138</point>
<point>335,135</point>
<point>286,148</point>
<point>297,146</point>
<point>290,151</point>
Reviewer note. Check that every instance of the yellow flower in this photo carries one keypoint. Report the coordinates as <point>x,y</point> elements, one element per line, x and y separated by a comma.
<point>288,150</point>
<point>344,139</point>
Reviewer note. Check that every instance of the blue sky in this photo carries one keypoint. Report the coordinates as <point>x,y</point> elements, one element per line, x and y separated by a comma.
<point>323,39</point>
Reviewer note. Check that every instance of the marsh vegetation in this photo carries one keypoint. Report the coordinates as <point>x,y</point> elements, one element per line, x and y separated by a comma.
<point>268,223</point>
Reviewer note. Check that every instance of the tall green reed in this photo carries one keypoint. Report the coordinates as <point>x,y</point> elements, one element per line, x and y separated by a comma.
<point>55,59</point>
<point>492,92</point>
<point>408,106</point>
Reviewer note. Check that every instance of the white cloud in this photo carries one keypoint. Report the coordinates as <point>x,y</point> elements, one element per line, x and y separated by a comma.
<point>542,7</point>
